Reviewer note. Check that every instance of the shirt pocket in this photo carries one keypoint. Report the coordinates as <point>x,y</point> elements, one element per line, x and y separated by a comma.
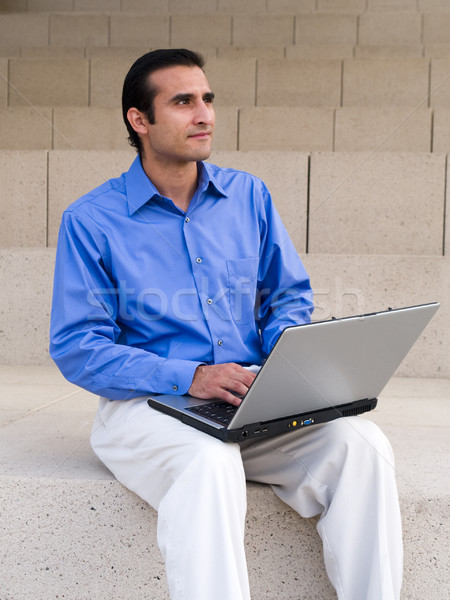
<point>242,284</point>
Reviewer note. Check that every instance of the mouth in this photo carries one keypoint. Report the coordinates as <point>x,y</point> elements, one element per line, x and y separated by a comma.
<point>201,135</point>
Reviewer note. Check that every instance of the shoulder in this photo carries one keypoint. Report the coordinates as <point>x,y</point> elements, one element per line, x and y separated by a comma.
<point>110,195</point>
<point>227,174</point>
<point>239,184</point>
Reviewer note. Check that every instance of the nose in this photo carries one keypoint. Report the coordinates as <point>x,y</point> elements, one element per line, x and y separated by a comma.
<point>205,113</point>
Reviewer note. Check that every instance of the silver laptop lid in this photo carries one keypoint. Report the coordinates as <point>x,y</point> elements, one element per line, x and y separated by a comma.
<point>329,363</point>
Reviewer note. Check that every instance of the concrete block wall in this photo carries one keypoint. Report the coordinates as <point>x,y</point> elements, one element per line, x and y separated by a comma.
<point>341,106</point>
<point>317,82</point>
<point>306,129</point>
<point>369,238</point>
<point>360,204</point>
<point>344,284</point>
<point>335,203</point>
<point>353,104</point>
<point>353,144</point>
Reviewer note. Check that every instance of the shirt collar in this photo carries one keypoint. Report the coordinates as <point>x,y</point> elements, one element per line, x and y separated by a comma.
<point>210,177</point>
<point>141,190</point>
<point>139,187</point>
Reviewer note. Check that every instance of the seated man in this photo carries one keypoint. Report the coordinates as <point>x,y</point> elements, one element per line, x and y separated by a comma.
<point>173,278</point>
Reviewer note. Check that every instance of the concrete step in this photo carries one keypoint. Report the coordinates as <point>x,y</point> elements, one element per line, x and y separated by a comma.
<point>107,27</point>
<point>235,6</point>
<point>68,529</point>
<point>344,129</point>
<point>305,129</point>
<point>359,203</point>
<point>371,82</point>
<point>90,128</point>
<point>312,51</point>
<point>224,23</point>
<point>343,284</point>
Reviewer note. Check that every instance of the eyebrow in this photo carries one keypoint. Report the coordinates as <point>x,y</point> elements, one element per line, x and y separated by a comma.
<point>188,96</point>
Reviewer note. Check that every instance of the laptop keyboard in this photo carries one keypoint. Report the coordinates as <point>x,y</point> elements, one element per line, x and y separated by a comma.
<point>219,412</point>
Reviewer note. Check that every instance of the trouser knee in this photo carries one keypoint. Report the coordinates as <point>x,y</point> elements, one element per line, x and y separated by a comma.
<point>218,459</point>
<point>361,437</point>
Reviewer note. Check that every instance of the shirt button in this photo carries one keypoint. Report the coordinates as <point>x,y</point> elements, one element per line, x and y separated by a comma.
<point>199,260</point>
<point>220,342</point>
<point>187,219</point>
<point>209,301</point>
<point>175,388</point>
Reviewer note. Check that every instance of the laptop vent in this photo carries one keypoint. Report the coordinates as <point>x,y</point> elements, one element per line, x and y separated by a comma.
<point>357,410</point>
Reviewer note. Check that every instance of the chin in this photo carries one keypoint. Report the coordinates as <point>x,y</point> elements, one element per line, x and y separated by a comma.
<point>205,155</point>
<point>201,150</point>
<point>201,154</point>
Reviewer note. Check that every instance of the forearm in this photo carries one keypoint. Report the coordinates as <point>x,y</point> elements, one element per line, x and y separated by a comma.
<point>119,372</point>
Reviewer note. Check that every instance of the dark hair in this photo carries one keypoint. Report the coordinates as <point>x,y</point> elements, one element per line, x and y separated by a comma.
<point>137,89</point>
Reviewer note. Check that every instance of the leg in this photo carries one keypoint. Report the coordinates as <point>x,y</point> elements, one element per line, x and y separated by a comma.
<point>197,485</point>
<point>344,471</point>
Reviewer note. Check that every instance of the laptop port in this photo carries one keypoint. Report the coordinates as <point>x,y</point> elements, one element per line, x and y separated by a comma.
<point>244,434</point>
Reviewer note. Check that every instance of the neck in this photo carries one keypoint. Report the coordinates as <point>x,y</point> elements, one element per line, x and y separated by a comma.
<point>177,182</point>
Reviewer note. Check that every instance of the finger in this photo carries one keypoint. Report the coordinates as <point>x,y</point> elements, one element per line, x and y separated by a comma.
<point>230,398</point>
<point>241,374</point>
<point>220,381</point>
<point>249,377</point>
<point>236,387</point>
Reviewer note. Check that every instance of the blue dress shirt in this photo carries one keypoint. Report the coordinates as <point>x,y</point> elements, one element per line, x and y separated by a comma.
<point>144,293</point>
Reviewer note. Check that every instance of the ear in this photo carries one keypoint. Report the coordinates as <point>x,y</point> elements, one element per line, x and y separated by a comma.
<point>138,120</point>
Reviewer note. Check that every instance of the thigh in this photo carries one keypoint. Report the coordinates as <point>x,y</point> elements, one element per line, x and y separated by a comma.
<point>308,464</point>
<point>147,451</point>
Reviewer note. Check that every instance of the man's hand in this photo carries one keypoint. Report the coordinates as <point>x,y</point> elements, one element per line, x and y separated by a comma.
<point>221,381</point>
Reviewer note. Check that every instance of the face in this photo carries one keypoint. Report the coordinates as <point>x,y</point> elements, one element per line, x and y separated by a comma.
<point>184,117</point>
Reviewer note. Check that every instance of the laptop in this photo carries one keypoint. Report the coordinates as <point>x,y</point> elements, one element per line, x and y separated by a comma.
<point>316,372</point>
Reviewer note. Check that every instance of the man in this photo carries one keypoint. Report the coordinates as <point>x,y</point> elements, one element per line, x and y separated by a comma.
<point>176,277</point>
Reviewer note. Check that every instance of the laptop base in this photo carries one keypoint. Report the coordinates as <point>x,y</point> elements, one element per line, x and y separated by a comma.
<point>268,428</point>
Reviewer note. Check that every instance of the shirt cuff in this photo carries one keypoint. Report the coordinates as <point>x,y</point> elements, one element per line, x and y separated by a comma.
<point>176,376</point>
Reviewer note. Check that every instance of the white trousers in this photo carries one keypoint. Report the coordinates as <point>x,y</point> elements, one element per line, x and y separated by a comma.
<point>342,471</point>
